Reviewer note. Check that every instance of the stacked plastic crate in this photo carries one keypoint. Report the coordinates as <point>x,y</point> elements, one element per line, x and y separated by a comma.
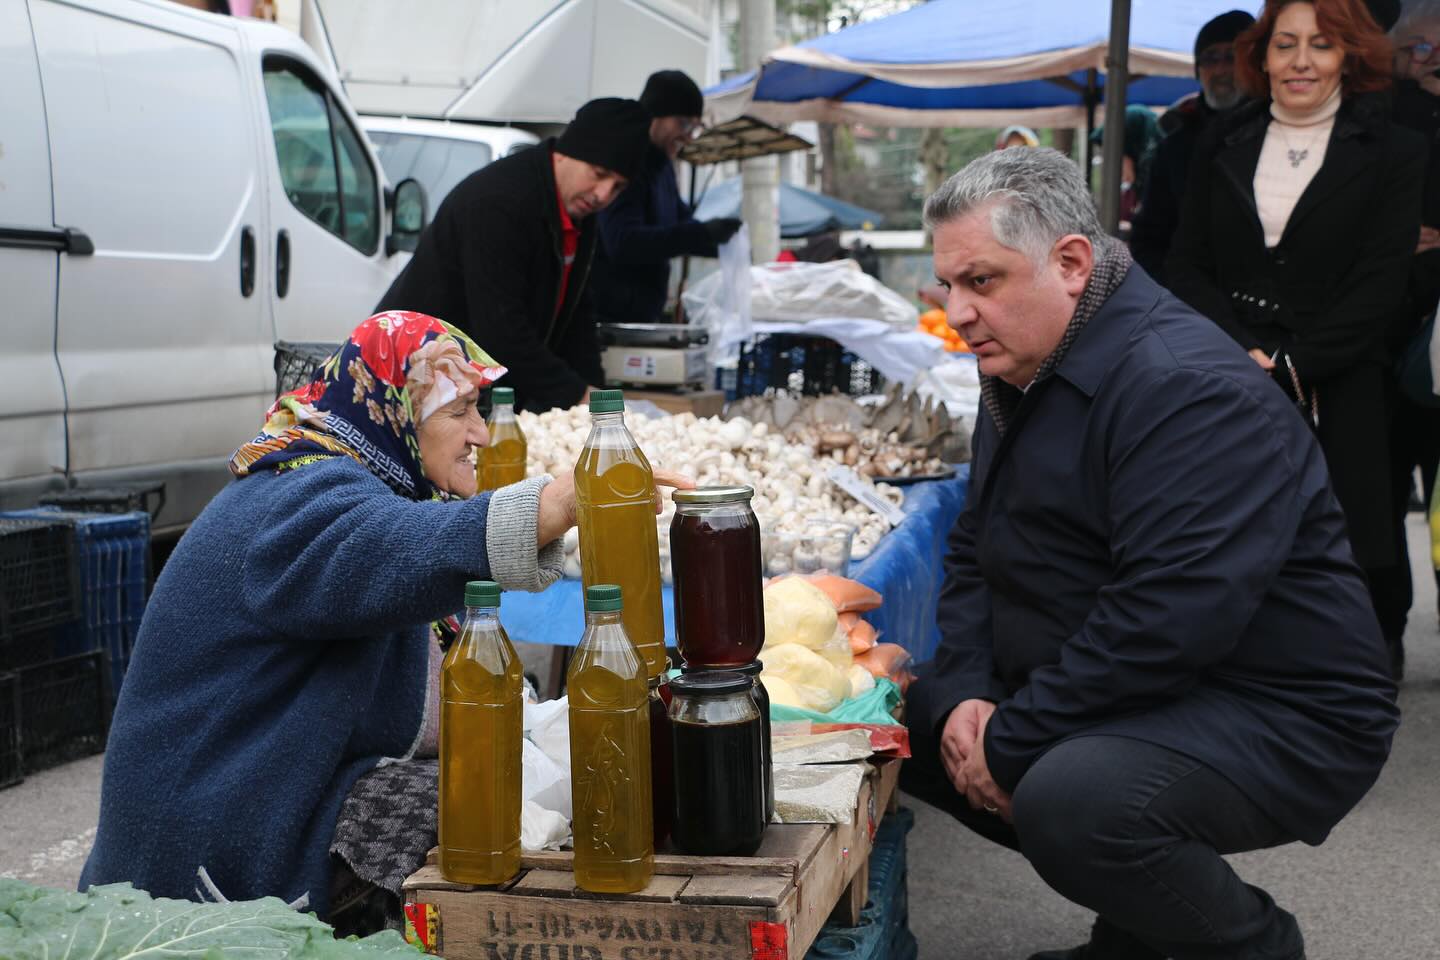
<point>68,666</point>
<point>884,929</point>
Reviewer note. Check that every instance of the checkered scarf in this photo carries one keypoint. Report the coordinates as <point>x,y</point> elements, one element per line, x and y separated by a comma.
<point>1112,263</point>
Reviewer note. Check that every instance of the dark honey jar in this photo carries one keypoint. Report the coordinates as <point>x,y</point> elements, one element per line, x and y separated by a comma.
<point>715,560</point>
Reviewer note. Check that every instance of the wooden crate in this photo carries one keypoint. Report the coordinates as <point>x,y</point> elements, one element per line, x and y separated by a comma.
<point>767,907</point>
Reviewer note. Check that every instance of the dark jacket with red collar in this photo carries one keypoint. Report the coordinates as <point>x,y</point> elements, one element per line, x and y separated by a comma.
<point>491,262</point>
<point>1326,293</point>
<point>1153,551</point>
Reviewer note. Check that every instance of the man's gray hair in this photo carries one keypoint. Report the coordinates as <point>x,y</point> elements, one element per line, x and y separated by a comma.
<point>1036,196</point>
<point>1411,13</point>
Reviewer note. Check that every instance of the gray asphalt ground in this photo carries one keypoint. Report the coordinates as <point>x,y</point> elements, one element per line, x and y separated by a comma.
<point>1371,891</point>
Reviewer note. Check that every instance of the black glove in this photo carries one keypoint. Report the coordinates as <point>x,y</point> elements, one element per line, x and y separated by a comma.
<point>721,229</point>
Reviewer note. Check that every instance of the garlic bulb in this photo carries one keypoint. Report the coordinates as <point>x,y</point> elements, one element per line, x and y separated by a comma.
<point>793,496</point>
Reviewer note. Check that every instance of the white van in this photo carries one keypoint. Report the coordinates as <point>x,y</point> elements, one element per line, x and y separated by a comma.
<point>178,191</point>
<point>440,153</point>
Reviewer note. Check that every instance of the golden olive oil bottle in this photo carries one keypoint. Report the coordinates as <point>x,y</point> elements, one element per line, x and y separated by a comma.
<point>481,691</point>
<point>610,752</point>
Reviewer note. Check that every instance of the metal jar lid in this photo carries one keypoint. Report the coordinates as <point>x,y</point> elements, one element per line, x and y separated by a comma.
<point>712,495</point>
<point>710,683</point>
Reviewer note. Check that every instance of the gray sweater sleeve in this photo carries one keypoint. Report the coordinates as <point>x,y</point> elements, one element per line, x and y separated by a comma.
<point>510,532</point>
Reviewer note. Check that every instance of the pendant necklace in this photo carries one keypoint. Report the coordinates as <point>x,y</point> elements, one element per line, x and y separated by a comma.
<point>1296,157</point>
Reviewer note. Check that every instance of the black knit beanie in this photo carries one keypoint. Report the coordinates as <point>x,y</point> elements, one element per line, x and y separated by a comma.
<point>1385,12</point>
<point>670,93</point>
<point>610,132</point>
<point>1223,29</point>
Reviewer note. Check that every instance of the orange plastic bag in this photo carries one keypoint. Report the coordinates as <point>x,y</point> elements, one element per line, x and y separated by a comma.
<point>862,636</point>
<point>849,596</point>
<point>888,660</point>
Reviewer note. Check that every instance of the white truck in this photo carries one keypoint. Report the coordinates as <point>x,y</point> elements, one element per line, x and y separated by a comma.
<point>178,191</point>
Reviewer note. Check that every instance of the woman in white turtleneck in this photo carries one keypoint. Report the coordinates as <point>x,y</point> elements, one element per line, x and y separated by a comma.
<point>1300,218</point>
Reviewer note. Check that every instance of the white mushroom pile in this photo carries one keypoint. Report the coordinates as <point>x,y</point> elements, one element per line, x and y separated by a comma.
<point>806,522</point>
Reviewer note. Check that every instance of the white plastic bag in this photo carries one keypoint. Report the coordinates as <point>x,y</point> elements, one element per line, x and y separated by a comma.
<point>721,301</point>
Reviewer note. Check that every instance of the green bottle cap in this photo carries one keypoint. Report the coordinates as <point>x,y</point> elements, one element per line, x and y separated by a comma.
<point>607,401</point>
<point>502,395</point>
<point>603,596</point>
<point>482,593</point>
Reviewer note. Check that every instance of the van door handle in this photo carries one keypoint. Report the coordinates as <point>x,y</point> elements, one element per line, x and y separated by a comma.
<point>247,262</point>
<point>64,239</point>
<point>282,263</point>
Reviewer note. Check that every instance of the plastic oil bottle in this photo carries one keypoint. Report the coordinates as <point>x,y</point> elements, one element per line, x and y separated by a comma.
<point>502,462</point>
<point>481,685</point>
<point>610,752</point>
<point>614,488</point>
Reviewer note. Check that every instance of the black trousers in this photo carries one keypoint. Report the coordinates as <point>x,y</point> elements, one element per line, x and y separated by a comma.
<point>1135,832</point>
<point>1414,442</point>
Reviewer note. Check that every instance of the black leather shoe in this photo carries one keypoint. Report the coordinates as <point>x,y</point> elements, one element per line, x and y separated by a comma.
<point>1107,942</point>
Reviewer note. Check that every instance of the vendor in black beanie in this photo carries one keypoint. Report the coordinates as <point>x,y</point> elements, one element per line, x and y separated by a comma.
<point>649,225</point>
<point>508,255</point>
<point>1159,212</point>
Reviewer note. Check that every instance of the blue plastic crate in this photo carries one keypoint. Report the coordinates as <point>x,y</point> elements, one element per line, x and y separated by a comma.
<point>113,551</point>
<point>884,929</point>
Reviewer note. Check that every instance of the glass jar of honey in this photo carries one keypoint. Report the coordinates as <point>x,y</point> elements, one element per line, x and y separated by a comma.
<point>715,561</point>
<point>719,781</point>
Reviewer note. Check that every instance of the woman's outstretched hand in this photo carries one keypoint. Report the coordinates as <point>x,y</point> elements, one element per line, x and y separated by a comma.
<point>558,509</point>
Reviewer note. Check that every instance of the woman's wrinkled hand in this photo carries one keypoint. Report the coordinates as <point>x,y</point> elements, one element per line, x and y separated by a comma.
<point>669,478</point>
<point>559,510</point>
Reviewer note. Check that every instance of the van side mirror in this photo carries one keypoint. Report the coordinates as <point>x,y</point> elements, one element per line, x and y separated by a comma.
<point>409,216</point>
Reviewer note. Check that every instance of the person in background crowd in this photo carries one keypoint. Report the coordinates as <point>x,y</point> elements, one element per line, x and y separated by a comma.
<point>1016,136</point>
<point>1142,135</point>
<point>1155,647</point>
<point>1415,432</point>
<point>1159,212</point>
<point>507,257</point>
<point>1297,235</point>
<point>649,224</point>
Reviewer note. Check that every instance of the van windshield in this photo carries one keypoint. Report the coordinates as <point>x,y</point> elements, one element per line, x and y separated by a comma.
<point>437,162</point>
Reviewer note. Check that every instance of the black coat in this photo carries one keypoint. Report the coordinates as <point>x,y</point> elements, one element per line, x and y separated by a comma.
<point>1420,111</point>
<point>1153,551</point>
<point>1326,294</point>
<point>646,227</point>
<point>490,263</point>
<point>1154,225</point>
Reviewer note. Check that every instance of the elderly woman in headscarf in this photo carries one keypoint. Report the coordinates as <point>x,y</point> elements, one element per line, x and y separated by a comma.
<point>285,675</point>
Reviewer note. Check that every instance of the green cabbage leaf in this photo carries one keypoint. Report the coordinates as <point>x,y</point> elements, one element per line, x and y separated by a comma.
<point>118,922</point>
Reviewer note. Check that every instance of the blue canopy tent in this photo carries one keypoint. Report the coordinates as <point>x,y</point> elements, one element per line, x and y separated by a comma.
<point>956,63</point>
<point>802,212</point>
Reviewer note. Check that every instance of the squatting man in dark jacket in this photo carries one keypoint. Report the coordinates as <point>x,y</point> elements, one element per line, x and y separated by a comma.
<point>507,258</point>
<point>1156,647</point>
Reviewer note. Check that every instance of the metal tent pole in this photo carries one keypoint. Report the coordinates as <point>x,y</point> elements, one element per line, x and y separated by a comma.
<point>1117,66</point>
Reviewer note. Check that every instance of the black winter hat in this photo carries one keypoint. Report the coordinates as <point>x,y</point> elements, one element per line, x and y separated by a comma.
<point>1223,29</point>
<point>670,93</point>
<point>1385,12</point>
<point>610,132</point>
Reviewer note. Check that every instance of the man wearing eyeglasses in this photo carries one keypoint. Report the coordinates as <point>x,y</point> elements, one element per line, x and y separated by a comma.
<point>1159,212</point>
<point>649,224</point>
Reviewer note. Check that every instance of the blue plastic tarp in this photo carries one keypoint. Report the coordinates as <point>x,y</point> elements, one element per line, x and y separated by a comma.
<point>946,62</point>
<point>906,568</point>
<point>802,212</point>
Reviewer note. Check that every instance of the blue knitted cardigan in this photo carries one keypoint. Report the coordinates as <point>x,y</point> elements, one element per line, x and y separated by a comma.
<point>283,654</point>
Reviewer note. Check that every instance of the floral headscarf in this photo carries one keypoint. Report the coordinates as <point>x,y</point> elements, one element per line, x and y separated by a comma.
<point>396,369</point>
